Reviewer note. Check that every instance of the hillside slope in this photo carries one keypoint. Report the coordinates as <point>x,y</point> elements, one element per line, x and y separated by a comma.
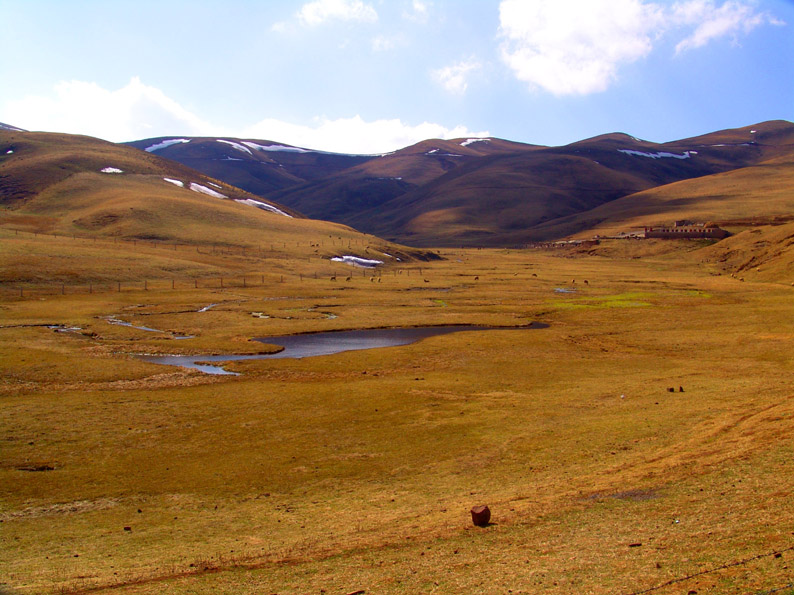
<point>752,195</point>
<point>258,166</point>
<point>76,185</point>
<point>482,191</point>
<point>509,199</point>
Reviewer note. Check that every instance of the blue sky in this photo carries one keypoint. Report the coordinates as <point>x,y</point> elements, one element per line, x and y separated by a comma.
<point>374,75</point>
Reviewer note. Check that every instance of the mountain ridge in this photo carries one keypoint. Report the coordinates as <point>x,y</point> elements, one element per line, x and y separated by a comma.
<point>472,191</point>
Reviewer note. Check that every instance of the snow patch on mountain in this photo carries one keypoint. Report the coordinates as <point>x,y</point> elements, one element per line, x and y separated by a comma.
<point>111,170</point>
<point>204,190</point>
<point>659,155</point>
<point>471,141</point>
<point>175,182</point>
<point>237,146</point>
<point>166,143</point>
<point>357,262</point>
<point>283,148</point>
<point>262,205</point>
<point>11,128</point>
<point>436,153</point>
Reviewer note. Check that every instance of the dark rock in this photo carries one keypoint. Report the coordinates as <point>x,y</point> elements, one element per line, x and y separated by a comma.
<point>481,515</point>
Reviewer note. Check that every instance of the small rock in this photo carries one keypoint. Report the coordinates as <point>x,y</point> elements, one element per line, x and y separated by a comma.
<point>481,515</point>
<point>128,528</point>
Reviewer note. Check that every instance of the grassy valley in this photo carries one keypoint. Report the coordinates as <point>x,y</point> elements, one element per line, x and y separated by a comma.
<point>637,438</point>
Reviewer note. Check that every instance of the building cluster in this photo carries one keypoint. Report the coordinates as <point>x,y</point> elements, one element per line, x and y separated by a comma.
<point>686,229</point>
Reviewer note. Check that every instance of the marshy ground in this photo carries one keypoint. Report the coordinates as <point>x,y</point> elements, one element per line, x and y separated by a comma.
<point>356,471</point>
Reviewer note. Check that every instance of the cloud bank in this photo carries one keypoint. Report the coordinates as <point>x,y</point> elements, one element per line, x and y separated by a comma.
<point>138,111</point>
<point>576,47</point>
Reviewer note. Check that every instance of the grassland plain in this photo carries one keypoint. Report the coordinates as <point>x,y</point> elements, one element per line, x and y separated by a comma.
<point>355,472</point>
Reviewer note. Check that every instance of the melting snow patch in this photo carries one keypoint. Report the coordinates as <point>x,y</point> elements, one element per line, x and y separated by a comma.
<point>211,184</point>
<point>166,143</point>
<point>357,262</point>
<point>112,170</point>
<point>237,146</point>
<point>204,190</point>
<point>175,182</point>
<point>9,152</point>
<point>752,132</point>
<point>470,141</point>
<point>659,155</point>
<point>262,205</point>
<point>276,148</point>
<point>436,152</point>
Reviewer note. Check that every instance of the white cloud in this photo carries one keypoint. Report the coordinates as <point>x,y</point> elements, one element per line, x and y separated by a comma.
<point>570,47</point>
<point>418,12</point>
<point>138,111</point>
<point>321,11</point>
<point>712,21</point>
<point>454,78</point>
<point>576,47</point>
<point>135,111</point>
<point>355,135</point>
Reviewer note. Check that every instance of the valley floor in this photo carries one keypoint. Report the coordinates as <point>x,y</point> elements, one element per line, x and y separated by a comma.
<point>355,472</point>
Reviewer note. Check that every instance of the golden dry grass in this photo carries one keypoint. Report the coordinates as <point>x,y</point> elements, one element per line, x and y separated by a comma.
<point>356,471</point>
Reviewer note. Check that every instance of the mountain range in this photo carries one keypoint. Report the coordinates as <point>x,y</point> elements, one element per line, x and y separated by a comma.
<point>488,191</point>
<point>475,192</point>
<point>64,184</point>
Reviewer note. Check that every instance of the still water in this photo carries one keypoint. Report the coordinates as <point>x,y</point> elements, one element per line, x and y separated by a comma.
<point>328,343</point>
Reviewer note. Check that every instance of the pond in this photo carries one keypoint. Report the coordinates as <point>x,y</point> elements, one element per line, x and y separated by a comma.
<point>327,343</point>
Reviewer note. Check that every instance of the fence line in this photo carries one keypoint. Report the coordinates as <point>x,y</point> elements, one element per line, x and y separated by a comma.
<point>243,281</point>
<point>776,553</point>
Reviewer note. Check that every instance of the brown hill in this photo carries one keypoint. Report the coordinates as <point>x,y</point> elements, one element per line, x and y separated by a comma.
<point>753,195</point>
<point>258,166</point>
<point>536,195</point>
<point>77,185</point>
<point>497,192</point>
<point>494,192</point>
